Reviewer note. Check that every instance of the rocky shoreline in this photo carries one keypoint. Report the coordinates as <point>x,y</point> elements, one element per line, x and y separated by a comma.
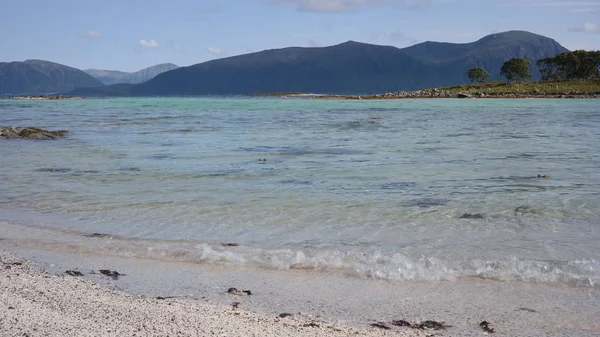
<point>44,97</point>
<point>437,93</point>
<point>13,132</point>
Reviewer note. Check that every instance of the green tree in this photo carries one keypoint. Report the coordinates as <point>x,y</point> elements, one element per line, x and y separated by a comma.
<point>574,65</point>
<point>478,75</point>
<point>515,69</point>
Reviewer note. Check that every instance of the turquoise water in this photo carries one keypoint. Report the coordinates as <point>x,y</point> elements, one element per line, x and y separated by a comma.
<point>366,188</point>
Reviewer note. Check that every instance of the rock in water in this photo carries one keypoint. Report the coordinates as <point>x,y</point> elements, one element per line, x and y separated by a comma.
<point>431,325</point>
<point>523,210</point>
<point>380,326</point>
<point>74,273</point>
<point>13,132</point>
<point>401,322</point>
<point>234,291</point>
<point>9,132</point>
<point>472,216</point>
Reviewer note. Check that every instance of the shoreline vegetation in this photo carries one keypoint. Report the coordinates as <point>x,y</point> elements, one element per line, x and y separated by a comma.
<point>541,89</point>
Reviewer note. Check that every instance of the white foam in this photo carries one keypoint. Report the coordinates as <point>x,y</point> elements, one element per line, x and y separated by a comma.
<point>374,264</point>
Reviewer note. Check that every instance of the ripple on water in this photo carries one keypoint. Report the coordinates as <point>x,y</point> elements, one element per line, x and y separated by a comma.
<point>397,186</point>
<point>425,202</point>
<point>54,170</point>
<point>407,175</point>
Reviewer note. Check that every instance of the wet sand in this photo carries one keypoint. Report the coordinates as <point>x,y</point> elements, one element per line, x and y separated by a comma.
<point>197,302</point>
<point>37,303</point>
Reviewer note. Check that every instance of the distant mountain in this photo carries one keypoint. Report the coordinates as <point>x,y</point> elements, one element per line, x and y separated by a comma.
<point>350,67</point>
<point>490,52</point>
<point>107,77</point>
<point>36,77</point>
<point>146,73</point>
<point>113,76</point>
<point>347,68</point>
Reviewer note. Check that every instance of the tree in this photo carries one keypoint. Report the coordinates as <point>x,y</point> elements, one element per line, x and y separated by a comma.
<point>574,65</point>
<point>478,75</point>
<point>515,69</point>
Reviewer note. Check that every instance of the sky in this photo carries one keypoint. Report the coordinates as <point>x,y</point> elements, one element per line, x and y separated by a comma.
<point>129,35</point>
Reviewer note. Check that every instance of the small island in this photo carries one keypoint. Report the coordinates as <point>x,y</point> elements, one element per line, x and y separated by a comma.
<point>43,97</point>
<point>542,89</point>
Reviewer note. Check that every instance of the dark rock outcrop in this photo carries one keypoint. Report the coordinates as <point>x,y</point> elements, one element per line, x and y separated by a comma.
<point>13,132</point>
<point>472,216</point>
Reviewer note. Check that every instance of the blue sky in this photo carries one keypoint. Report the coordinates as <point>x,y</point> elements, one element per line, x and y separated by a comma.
<point>129,35</point>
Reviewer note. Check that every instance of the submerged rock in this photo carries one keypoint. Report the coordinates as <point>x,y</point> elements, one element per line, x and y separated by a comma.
<point>98,235</point>
<point>380,326</point>
<point>234,291</point>
<point>431,325</point>
<point>74,273</point>
<point>112,273</point>
<point>13,132</point>
<point>401,322</point>
<point>472,216</point>
<point>523,210</point>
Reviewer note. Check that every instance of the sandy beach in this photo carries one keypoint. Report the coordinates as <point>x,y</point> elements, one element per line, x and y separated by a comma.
<point>157,298</point>
<point>38,303</point>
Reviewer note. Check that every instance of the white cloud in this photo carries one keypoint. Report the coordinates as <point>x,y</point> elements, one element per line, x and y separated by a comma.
<point>586,28</point>
<point>92,35</point>
<point>214,51</point>
<point>337,6</point>
<point>148,44</point>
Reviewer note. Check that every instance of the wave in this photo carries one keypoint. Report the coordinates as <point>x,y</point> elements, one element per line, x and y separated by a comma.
<point>368,264</point>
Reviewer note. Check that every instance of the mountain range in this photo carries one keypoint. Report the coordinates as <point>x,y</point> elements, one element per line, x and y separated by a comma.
<point>36,77</point>
<point>109,77</point>
<point>347,68</point>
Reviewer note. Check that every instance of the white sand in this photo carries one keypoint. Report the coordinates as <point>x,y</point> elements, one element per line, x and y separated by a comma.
<point>78,306</point>
<point>36,303</point>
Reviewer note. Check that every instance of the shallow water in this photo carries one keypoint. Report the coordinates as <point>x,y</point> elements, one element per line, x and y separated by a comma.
<point>366,188</point>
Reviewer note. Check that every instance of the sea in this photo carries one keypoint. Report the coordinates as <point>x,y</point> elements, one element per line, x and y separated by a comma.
<point>422,190</point>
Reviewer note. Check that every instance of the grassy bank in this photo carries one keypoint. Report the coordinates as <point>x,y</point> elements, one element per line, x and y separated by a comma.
<point>526,88</point>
